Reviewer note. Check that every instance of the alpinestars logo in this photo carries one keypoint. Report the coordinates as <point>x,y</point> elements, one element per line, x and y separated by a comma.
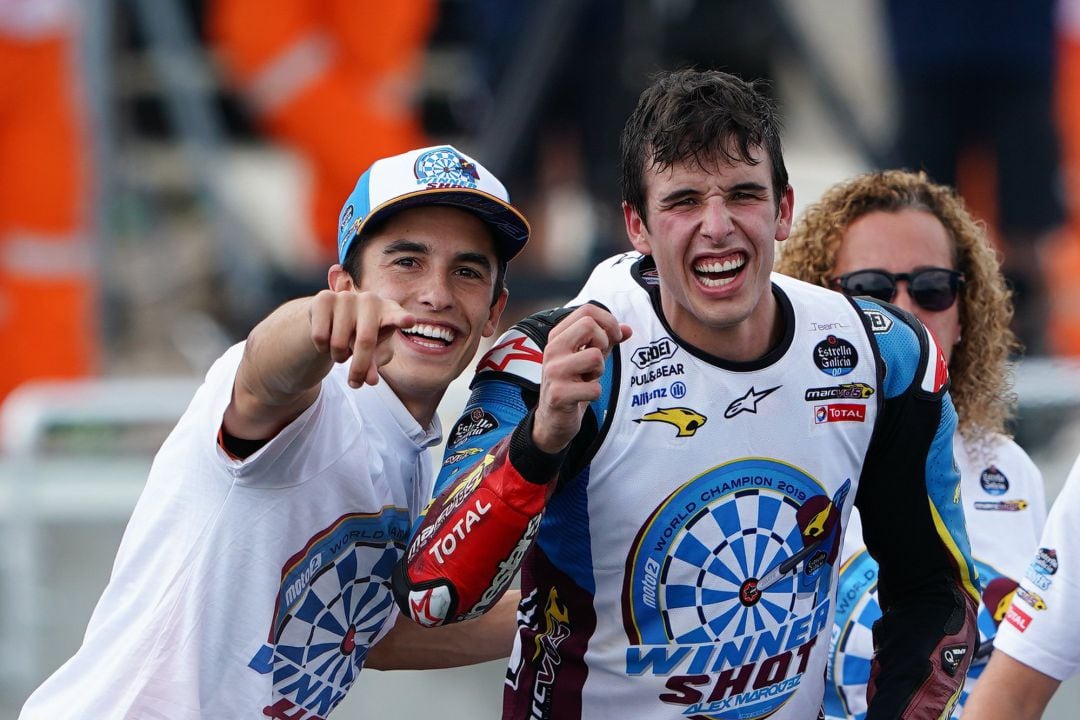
<point>748,402</point>
<point>518,353</point>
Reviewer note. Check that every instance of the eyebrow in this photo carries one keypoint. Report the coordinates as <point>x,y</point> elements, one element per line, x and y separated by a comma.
<point>676,195</point>
<point>412,246</point>
<point>679,194</point>
<point>406,246</point>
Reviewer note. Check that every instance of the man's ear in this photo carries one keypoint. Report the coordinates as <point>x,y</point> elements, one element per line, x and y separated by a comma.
<point>338,279</point>
<point>784,215</point>
<point>495,313</point>
<point>636,230</point>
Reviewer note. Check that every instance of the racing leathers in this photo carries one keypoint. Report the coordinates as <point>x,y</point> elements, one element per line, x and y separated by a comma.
<point>679,558</point>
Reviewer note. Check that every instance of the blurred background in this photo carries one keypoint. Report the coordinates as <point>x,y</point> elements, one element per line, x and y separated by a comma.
<point>172,170</point>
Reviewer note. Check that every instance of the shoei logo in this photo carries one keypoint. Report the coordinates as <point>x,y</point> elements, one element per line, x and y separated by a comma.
<point>444,168</point>
<point>879,321</point>
<point>685,420</point>
<point>654,352</point>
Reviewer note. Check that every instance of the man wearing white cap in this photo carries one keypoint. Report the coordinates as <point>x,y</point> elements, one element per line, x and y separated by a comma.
<point>253,578</point>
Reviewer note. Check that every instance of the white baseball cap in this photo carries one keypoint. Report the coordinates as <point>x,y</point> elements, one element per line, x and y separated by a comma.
<point>439,175</point>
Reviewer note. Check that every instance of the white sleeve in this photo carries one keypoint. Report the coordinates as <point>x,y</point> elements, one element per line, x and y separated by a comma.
<point>300,450</point>
<point>1040,628</point>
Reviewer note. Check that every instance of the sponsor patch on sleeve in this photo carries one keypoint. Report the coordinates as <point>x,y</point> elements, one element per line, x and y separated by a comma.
<point>936,373</point>
<point>879,321</point>
<point>515,353</point>
<point>1017,618</point>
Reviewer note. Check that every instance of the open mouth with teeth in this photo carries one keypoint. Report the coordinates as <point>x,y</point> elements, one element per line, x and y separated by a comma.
<point>718,272</point>
<point>433,336</point>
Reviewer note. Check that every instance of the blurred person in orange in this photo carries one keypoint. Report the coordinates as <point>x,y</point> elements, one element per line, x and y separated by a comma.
<point>334,79</point>
<point>47,280</point>
<point>1063,266</point>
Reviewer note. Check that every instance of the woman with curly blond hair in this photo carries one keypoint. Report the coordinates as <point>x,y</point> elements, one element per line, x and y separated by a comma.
<point>899,237</point>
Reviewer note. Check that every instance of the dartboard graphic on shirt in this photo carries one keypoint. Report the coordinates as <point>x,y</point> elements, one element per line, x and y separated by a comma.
<point>743,550</point>
<point>857,609</point>
<point>443,167</point>
<point>335,598</point>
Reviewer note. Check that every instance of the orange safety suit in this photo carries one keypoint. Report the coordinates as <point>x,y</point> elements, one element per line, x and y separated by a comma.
<point>1063,266</point>
<point>47,280</point>
<point>335,79</point>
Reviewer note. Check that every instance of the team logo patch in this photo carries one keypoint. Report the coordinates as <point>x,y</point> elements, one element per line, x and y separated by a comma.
<point>345,218</point>
<point>835,356</point>
<point>654,352</point>
<point>685,420</point>
<point>993,481</point>
<point>515,353</point>
<point>475,423</point>
<point>846,391</point>
<point>839,412</point>
<point>1046,561</point>
<point>748,402</point>
<point>879,321</point>
<point>442,167</point>
<point>1002,505</point>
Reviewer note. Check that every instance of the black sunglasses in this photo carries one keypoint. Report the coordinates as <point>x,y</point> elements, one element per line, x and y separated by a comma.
<point>933,289</point>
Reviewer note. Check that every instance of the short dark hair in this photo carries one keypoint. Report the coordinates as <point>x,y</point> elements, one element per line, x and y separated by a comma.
<point>704,115</point>
<point>354,266</point>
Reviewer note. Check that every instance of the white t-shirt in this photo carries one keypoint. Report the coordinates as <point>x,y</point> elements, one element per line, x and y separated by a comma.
<point>1004,503</point>
<point>1040,628</point>
<point>253,588</point>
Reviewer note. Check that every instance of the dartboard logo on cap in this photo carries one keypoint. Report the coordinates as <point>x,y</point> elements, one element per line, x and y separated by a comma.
<point>728,563</point>
<point>442,167</point>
